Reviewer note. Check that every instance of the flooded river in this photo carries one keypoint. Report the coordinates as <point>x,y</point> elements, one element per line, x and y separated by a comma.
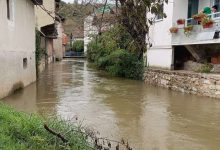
<point>151,118</point>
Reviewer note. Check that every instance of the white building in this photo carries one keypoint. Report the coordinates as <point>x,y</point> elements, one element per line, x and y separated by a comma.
<point>167,49</point>
<point>50,24</point>
<point>17,45</point>
<point>89,29</point>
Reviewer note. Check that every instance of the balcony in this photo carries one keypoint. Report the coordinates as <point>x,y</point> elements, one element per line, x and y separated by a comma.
<point>198,35</point>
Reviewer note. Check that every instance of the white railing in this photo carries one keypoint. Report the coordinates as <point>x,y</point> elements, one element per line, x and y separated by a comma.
<point>214,16</point>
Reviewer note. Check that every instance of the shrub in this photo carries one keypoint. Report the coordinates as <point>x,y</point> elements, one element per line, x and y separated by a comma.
<point>114,52</point>
<point>206,68</point>
<point>78,46</point>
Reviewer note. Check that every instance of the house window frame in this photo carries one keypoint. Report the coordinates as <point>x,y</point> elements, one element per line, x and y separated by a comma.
<point>213,2</point>
<point>10,6</point>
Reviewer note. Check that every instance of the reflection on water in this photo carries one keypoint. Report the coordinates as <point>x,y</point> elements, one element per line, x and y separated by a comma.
<point>149,117</point>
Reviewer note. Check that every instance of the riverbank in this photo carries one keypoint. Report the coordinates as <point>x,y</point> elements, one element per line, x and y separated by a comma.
<point>202,84</point>
<point>22,131</point>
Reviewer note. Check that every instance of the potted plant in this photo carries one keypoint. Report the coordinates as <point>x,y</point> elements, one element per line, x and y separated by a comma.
<point>207,22</point>
<point>199,16</point>
<point>180,21</point>
<point>188,29</point>
<point>173,30</point>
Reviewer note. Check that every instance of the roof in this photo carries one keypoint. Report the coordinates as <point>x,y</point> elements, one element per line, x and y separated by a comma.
<point>49,31</point>
<point>59,18</point>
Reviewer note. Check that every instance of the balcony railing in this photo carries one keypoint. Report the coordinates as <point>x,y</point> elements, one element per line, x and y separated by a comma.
<point>198,35</point>
<point>213,16</point>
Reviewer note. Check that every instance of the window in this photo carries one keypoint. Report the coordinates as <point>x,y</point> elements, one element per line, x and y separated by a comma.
<point>217,2</point>
<point>10,13</point>
<point>8,9</point>
<point>25,63</point>
<point>160,15</point>
<point>193,7</point>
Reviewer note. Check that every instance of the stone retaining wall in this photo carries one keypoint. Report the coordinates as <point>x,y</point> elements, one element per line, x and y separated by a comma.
<point>185,81</point>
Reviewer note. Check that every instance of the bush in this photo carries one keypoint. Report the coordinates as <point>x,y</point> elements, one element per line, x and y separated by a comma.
<point>206,68</point>
<point>78,46</point>
<point>114,52</point>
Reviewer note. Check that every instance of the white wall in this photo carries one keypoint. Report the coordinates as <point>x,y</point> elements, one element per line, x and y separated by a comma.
<point>42,18</point>
<point>206,3</point>
<point>89,29</point>
<point>160,58</point>
<point>180,10</point>
<point>58,46</point>
<point>159,31</point>
<point>160,54</point>
<point>17,41</point>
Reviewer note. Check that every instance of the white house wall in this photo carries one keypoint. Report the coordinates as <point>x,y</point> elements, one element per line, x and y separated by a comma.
<point>17,42</point>
<point>42,17</point>
<point>180,10</point>
<point>204,3</point>
<point>89,29</point>
<point>160,54</point>
<point>160,58</point>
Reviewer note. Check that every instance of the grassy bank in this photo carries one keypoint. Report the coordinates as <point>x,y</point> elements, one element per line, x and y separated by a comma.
<point>20,131</point>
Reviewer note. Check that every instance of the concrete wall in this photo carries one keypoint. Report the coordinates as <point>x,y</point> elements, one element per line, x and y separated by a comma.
<point>187,82</point>
<point>17,42</point>
<point>42,18</point>
<point>50,50</point>
<point>160,54</point>
<point>180,10</point>
<point>207,3</point>
<point>160,58</point>
<point>58,44</point>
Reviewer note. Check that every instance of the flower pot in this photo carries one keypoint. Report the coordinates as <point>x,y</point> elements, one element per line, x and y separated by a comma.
<point>208,25</point>
<point>180,22</point>
<point>214,60</point>
<point>218,60</point>
<point>198,19</point>
<point>174,30</point>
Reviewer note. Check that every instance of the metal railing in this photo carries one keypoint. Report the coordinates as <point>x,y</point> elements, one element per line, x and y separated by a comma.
<point>213,16</point>
<point>73,53</point>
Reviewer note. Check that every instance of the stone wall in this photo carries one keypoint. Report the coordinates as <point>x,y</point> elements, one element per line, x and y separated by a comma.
<point>195,66</point>
<point>185,81</point>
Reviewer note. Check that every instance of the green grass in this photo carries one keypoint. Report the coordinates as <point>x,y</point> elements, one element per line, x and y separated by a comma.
<point>20,131</point>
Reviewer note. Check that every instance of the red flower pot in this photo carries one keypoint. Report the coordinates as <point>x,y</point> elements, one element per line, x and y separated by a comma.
<point>180,21</point>
<point>214,60</point>
<point>208,25</point>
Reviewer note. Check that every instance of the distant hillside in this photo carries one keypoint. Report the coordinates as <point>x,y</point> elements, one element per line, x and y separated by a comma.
<point>74,14</point>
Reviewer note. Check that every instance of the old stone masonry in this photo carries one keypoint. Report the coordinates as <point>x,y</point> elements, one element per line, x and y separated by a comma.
<point>185,81</point>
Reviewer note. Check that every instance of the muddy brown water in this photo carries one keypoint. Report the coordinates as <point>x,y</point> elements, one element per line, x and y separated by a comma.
<point>151,118</point>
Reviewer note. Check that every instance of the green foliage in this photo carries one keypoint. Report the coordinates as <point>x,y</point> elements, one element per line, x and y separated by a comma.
<point>20,131</point>
<point>206,68</point>
<point>113,51</point>
<point>78,46</point>
<point>39,52</point>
